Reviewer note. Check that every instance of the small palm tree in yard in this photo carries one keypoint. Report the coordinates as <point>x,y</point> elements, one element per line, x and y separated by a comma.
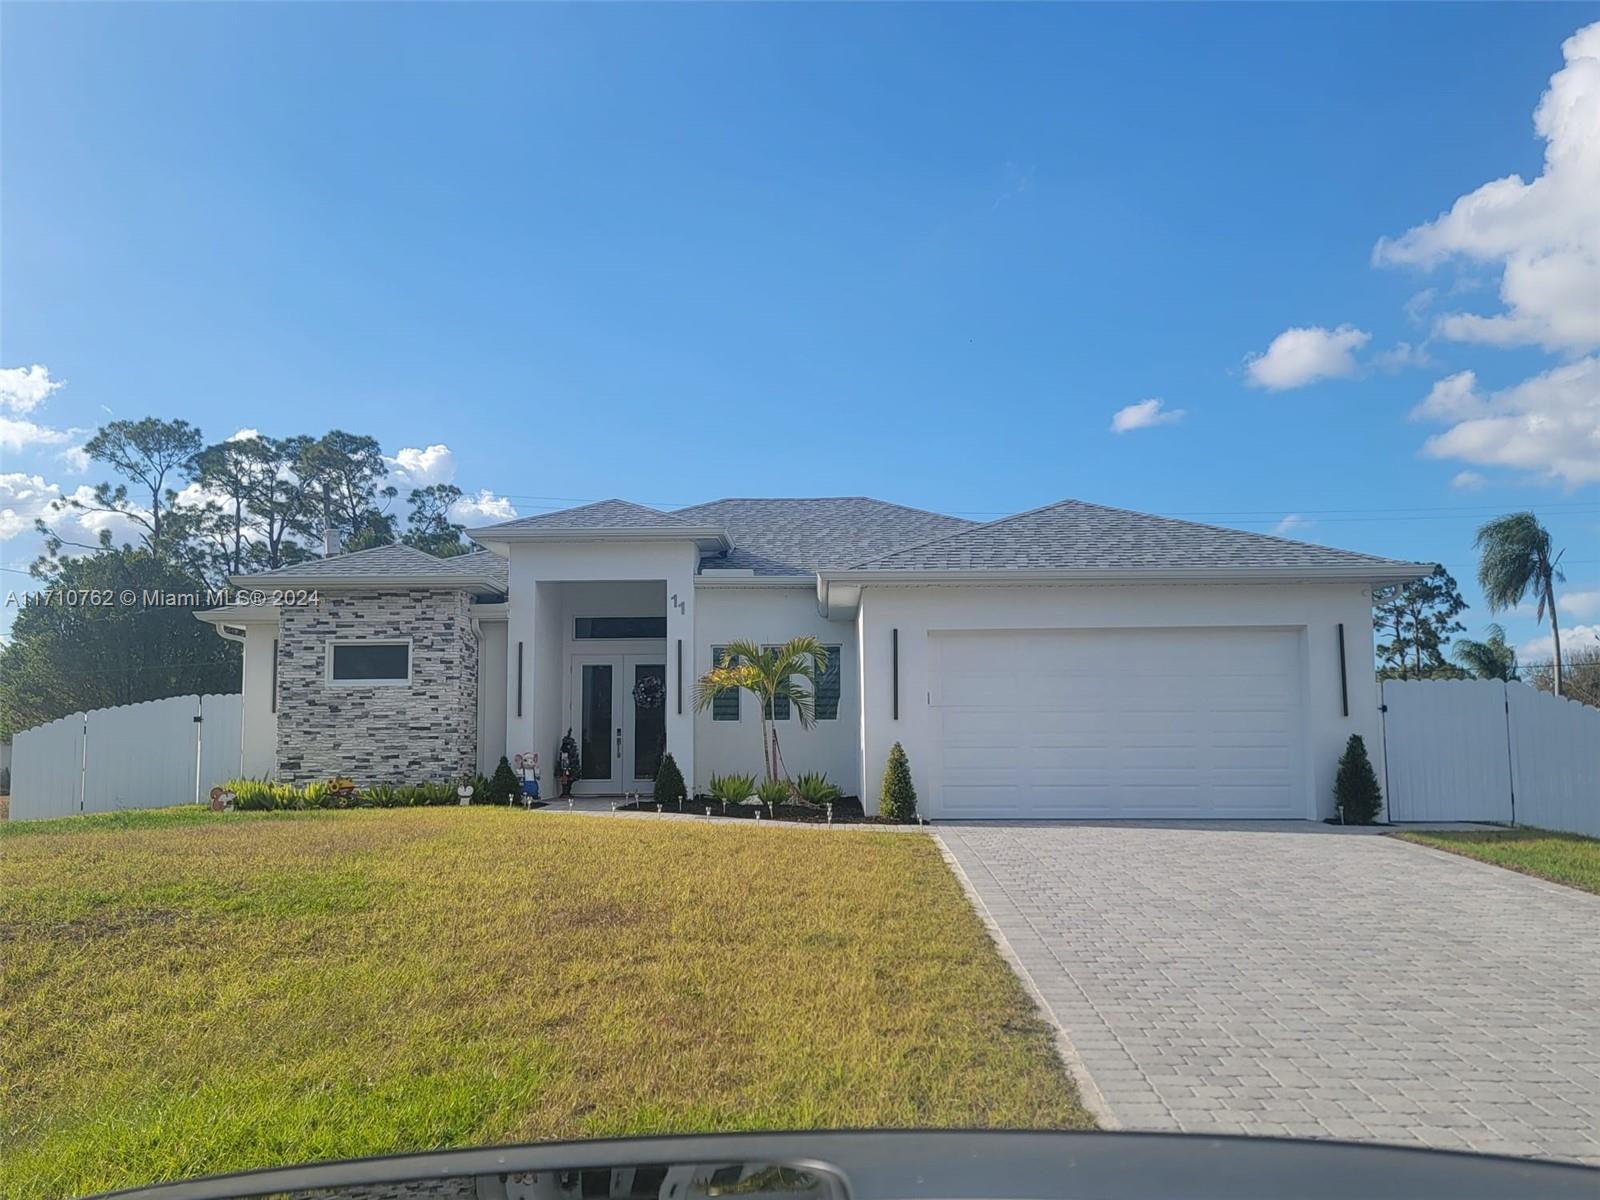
<point>1488,659</point>
<point>1515,560</point>
<point>788,672</point>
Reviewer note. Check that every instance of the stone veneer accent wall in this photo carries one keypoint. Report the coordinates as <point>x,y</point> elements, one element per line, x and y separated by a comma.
<point>424,732</point>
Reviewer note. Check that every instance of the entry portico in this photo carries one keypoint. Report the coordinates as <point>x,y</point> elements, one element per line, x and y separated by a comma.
<point>600,640</point>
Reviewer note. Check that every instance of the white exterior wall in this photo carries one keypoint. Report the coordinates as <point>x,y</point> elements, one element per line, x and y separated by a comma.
<point>537,620</point>
<point>259,752</point>
<point>770,615</point>
<point>1314,609</point>
<point>491,694</point>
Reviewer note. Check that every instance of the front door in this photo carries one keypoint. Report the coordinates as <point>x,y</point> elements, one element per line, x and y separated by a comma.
<point>616,708</point>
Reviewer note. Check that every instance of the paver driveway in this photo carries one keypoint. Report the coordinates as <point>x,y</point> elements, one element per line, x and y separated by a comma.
<point>1297,980</point>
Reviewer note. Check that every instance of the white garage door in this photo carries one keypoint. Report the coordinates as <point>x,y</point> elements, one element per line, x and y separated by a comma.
<point>1169,723</point>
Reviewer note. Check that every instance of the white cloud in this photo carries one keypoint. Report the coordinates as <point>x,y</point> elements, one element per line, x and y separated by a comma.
<point>1468,481</point>
<point>1543,236</point>
<point>1453,398</point>
<point>1549,424</point>
<point>482,509</point>
<point>1579,604</point>
<point>23,389</point>
<point>243,435</point>
<point>16,435</point>
<point>1576,637</point>
<point>26,497</point>
<point>1416,308</point>
<point>75,459</point>
<point>1144,415</point>
<point>22,498</point>
<point>414,468</point>
<point>1402,355</point>
<point>1301,356</point>
<point>1292,524</point>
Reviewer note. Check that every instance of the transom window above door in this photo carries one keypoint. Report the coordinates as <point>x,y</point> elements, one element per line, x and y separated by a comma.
<point>618,628</point>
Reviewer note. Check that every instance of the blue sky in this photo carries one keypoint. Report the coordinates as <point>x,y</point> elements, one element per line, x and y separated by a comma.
<point>922,253</point>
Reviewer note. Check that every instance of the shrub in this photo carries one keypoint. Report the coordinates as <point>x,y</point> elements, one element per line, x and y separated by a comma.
<point>1355,787</point>
<point>505,787</point>
<point>813,788</point>
<point>733,789</point>
<point>669,783</point>
<point>261,795</point>
<point>898,799</point>
<point>773,791</point>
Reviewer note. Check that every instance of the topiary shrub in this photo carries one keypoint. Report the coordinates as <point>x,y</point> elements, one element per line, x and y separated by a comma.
<point>506,785</point>
<point>1355,787</point>
<point>669,783</point>
<point>898,799</point>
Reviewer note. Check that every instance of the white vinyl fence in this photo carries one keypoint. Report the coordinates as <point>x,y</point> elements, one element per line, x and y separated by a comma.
<point>1482,750</point>
<point>148,755</point>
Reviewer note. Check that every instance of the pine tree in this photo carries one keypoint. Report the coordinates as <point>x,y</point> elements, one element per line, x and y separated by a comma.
<point>669,783</point>
<point>1355,787</point>
<point>898,799</point>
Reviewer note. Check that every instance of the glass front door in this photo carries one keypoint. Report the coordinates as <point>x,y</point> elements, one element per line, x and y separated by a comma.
<point>617,706</point>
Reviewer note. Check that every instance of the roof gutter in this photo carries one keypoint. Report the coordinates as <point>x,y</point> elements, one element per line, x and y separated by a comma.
<point>455,583</point>
<point>708,537</point>
<point>838,592</point>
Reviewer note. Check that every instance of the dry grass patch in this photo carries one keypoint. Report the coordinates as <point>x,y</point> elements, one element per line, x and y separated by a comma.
<point>199,994</point>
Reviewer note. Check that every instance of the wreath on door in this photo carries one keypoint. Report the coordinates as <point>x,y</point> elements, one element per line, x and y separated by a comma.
<point>649,692</point>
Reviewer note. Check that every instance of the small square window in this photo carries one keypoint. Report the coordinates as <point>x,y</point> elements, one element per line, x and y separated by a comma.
<point>357,663</point>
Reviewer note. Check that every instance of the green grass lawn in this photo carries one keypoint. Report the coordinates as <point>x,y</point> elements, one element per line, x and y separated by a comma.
<point>188,992</point>
<point>1559,857</point>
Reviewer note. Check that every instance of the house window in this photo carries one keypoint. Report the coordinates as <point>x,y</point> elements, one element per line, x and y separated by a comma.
<point>828,687</point>
<point>621,628</point>
<point>362,664</point>
<point>725,704</point>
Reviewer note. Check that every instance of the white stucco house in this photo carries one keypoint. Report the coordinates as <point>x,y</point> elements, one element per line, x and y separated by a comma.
<point>1071,661</point>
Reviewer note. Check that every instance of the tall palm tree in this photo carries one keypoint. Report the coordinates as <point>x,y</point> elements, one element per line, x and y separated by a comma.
<point>1488,659</point>
<point>770,674</point>
<point>1515,559</point>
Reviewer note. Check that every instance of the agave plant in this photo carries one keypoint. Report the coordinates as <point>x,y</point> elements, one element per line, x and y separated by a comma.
<point>813,788</point>
<point>787,672</point>
<point>733,789</point>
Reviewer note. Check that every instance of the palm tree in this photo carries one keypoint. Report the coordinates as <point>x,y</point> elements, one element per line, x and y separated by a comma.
<point>1488,659</point>
<point>769,673</point>
<point>1516,560</point>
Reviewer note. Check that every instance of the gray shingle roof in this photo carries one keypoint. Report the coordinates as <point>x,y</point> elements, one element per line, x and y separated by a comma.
<point>1074,535</point>
<point>396,561</point>
<point>602,514</point>
<point>804,535</point>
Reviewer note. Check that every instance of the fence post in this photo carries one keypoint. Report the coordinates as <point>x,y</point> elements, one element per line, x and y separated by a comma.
<point>1511,753</point>
<point>83,762</point>
<point>199,738</point>
<point>1383,738</point>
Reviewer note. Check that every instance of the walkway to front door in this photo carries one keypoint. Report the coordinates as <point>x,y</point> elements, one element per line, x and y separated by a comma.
<point>616,708</point>
<point>1290,979</point>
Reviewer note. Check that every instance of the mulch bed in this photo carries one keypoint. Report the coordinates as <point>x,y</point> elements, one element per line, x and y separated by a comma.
<point>846,811</point>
